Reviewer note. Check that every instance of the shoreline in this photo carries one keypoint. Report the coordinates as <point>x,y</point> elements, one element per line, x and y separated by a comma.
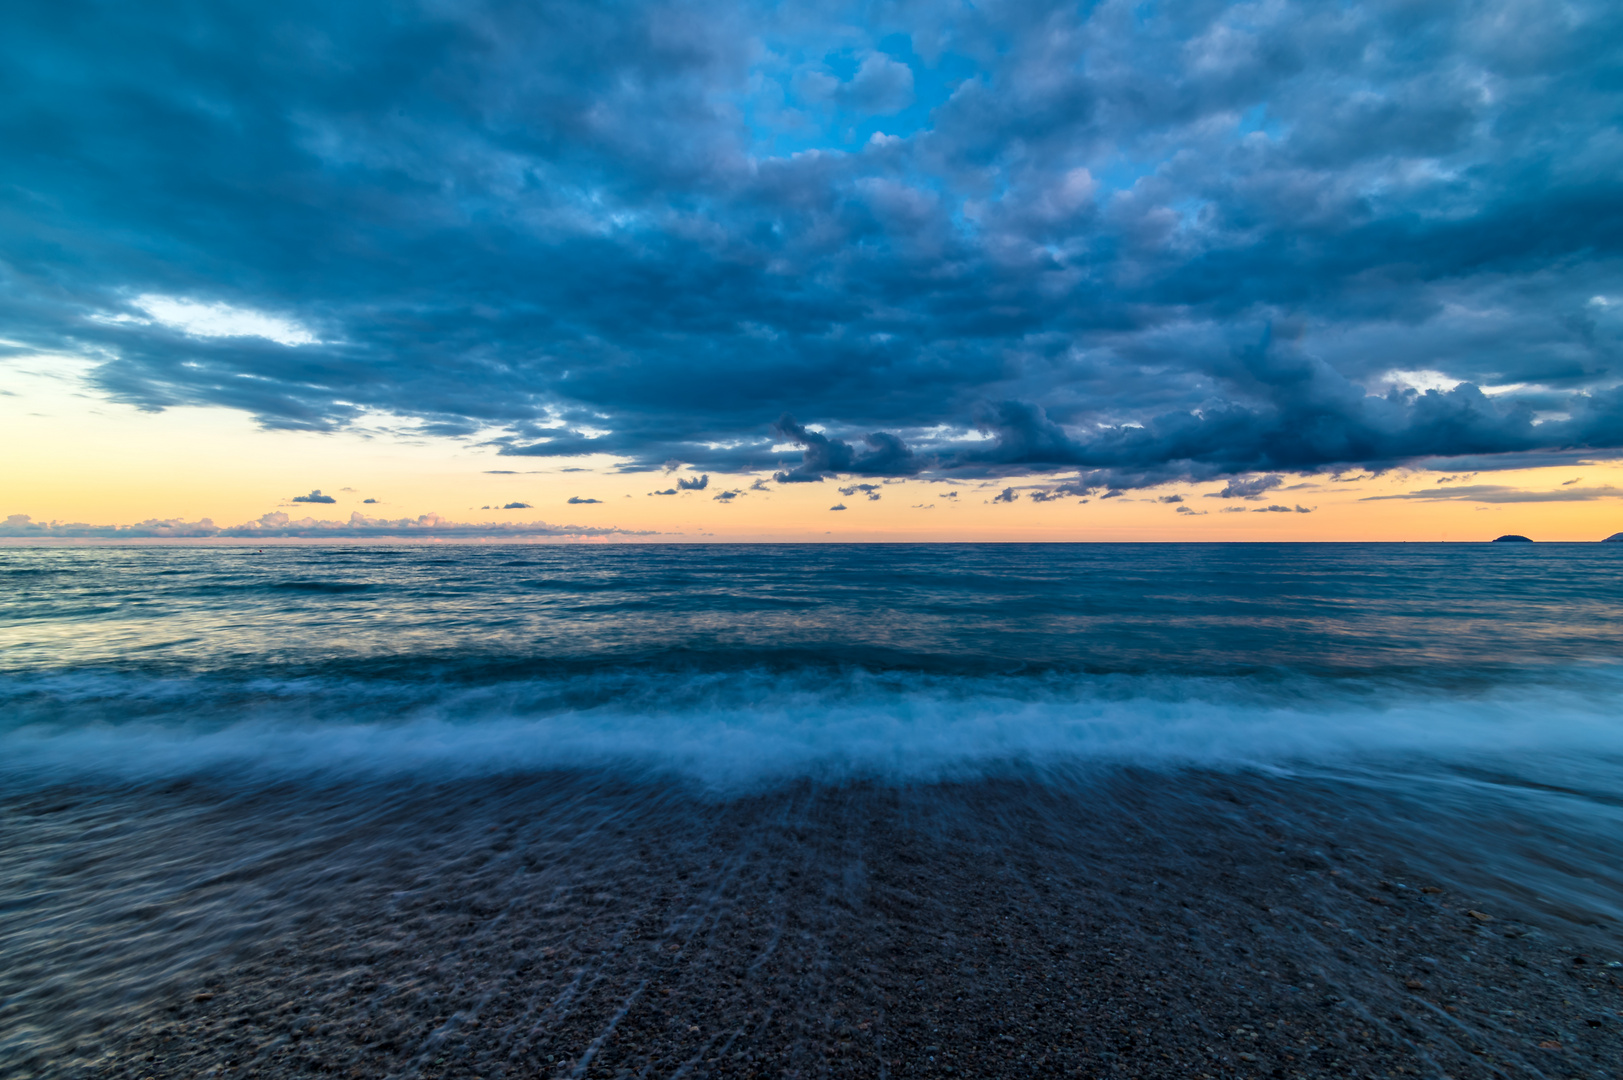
<point>1187,925</point>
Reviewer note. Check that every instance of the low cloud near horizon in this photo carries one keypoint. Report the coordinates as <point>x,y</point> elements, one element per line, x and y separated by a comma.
<point>279,525</point>
<point>1498,493</point>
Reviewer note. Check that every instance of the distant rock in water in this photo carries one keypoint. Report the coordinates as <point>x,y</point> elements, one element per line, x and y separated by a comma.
<point>1615,538</point>
<point>1512,538</point>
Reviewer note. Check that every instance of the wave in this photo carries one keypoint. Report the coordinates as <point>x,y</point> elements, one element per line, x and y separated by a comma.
<point>735,729</point>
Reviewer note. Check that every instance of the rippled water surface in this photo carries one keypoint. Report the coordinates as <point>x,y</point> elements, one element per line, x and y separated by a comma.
<point>970,609</point>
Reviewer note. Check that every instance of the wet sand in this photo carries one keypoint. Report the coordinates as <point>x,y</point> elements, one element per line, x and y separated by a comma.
<point>1128,924</point>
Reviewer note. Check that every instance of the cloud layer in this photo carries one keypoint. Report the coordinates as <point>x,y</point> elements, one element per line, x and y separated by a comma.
<point>280,526</point>
<point>1499,493</point>
<point>1189,240</point>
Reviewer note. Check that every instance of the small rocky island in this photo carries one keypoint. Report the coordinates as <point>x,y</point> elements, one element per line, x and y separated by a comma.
<point>1512,538</point>
<point>1615,538</point>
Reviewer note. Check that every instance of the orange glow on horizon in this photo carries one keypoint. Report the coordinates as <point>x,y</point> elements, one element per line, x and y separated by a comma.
<point>79,459</point>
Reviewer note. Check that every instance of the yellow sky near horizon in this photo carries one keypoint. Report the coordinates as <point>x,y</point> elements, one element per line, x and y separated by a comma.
<point>76,457</point>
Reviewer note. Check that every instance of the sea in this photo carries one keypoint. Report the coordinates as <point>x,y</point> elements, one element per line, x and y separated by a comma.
<point>1461,701</point>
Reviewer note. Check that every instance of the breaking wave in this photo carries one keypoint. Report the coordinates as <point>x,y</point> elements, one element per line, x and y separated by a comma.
<point>734,729</point>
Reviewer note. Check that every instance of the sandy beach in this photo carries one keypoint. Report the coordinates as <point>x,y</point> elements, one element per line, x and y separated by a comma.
<point>571,925</point>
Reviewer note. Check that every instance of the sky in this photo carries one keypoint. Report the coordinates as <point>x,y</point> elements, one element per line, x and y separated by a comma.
<point>605,271</point>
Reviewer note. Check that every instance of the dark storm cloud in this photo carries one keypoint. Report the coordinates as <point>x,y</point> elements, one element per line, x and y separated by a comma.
<point>822,456</point>
<point>1185,241</point>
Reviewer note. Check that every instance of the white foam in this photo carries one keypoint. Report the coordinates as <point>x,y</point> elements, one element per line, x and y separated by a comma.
<point>741,730</point>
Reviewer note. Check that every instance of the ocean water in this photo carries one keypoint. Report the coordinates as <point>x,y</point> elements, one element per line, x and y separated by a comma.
<point>1479,677</point>
<point>738,666</point>
<point>171,715</point>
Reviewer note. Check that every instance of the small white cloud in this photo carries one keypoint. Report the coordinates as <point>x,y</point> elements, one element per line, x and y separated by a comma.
<point>222,320</point>
<point>1421,380</point>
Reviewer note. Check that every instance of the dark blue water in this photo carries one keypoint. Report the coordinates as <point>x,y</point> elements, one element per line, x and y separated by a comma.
<point>740,665</point>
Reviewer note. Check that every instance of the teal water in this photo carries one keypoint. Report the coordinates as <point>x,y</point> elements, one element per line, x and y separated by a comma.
<point>739,665</point>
